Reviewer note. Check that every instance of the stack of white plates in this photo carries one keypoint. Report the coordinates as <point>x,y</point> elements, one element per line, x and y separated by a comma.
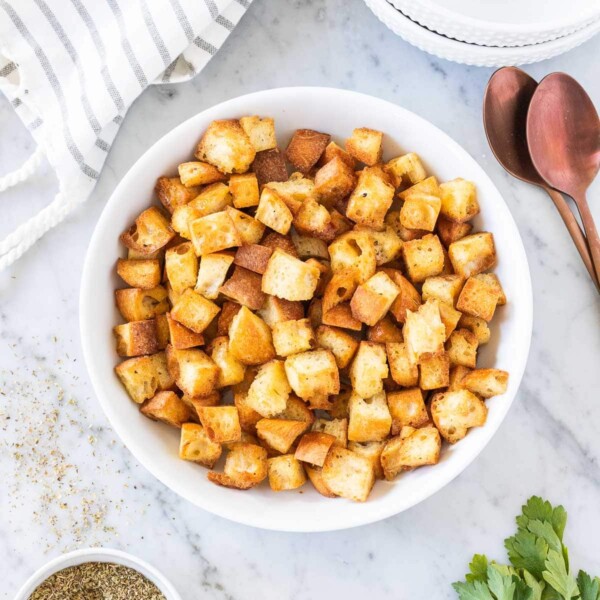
<point>491,32</point>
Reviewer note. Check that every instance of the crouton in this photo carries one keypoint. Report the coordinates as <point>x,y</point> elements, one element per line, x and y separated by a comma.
<point>309,247</point>
<point>143,376</point>
<point>245,288</point>
<point>285,473</point>
<point>459,200</point>
<point>406,170</point>
<point>276,310</point>
<point>150,232</point>
<point>289,278</point>
<point>196,373</point>
<point>408,297</point>
<point>212,199</point>
<point>368,370</point>
<point>315,312</point>
<point>249,229</point>
<point>136,304</point>
<point>194,311</point>
<point>450,317</point>
<point>280,434</point>
<point>445,288</point>
<point>221,423</point>
<point>314,219</point>
<point>388,246</point>
<point>273,212</point>
<point>491,279</point>
<point>420,211</point>
<point>455,412</point>
<point>199,173</point>
<point>312,373</point>
<point>340,288</point>
<point>373,298</point>
<point>486,382</point>
<point>407,408</point>
<point>354,250</point>
<point>427,187</point>
<point>473,254</point>
<point>181,219</point>
<point>423,257</point>
<point>231,371</point>
<point>244,190</point>
<point>334,181</point>
<point>418,448</point>
<point>434,372</point>
<point>172,193</point>
<point>291,337</point>
<point>196,402</point>
<point>337,427</point>
<point>269,392</point>
<point>313,447</point>
<point>477,326</point>
<point>334,151</point>
<point>250,339</point>
<point>424,332</point>
<point>450,232</point>
<point>142,274</point>
<point>163,334</point>
<point>385,331</point>
<point>214,233</point>
<point>181,337</point>
<point>365,145</point>
<point>260,132</point>
<point>226,146</point>
<point>269,166</point>
<point>348,474</point>
<point>369,418</point>
<point>341,344</point>
<point>167,407</point>
<point>245,467</point>
<point>457,375</point>
<point>478,298</point>
<point>305,148</point>
<point>371,199</point>
<point>404,370</point>
<point>136,338</point>
<point>247,415</point>
<point>297,410</point>
<point>371,451</point>
<point>212,273</point>
<point>315,474</point>
<point>181,266</point>
<point>294,191</point>
<point>196,446</point>
<point>253,257</point>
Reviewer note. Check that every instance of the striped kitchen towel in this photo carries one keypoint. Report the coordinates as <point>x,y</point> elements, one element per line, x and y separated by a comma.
<point>72,68</point>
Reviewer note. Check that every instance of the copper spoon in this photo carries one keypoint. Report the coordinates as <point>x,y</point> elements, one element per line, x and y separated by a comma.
<point>563,133</point>
<point>505,105</point>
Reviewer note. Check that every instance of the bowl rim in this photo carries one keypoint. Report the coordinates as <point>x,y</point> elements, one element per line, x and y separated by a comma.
<point>101,554</point>
<point>246,517</point>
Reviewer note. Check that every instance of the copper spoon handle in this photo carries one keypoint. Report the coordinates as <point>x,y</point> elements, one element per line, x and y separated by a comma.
<point>573,226</point>
<point>590,230</point>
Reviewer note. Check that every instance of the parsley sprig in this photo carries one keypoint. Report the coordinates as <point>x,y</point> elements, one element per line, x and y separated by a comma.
<point>539,563</point>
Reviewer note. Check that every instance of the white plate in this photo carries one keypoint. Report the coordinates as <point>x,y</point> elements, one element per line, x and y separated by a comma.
<point>472,54</point>
<point>502,22</point>
<point>156,445</point>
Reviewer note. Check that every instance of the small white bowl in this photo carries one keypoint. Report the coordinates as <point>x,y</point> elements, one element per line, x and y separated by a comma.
<point>106,555</point>
<point>337,112</point>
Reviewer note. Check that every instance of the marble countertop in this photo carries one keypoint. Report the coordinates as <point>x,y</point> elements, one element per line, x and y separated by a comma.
<point>68,482</point>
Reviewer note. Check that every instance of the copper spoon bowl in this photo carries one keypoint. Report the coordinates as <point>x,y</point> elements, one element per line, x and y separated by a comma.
<point>505,105</point>
<point>563,134</point>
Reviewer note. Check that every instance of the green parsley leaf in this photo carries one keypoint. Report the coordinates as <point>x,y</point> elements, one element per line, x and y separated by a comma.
<point>522,590</point>
<point>537,587</point>
<point>544,530</point>
<point>527,551</point>
<point>588,587</point>
<point>501,585</point>
<point>475,590</point>
<point>558,577</point>
<point>478,567</point>
<point>542,510</point>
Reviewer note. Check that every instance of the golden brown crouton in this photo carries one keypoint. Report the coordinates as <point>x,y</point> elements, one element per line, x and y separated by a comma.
<point>291,337</point>
<point>486,382</point>
<point>406,170</point>
<point>455,412</point>
<point>280,434</point>
<point>277,310</point>
<point>212,273</point>
<point>477,326</point>
<point>424,332</point>
<point>418,448</point>
<point>136,304</point>
<point>341,344</point>
<point>368,370</point>
<point>286,473</point>
<point>245,467</point>
<point>172,193</point>
<point>269,392</point>
<point>373,298</point>
<point>334,181</point>
<point>250,230</point>
<point>313,447</point>
<point>142,274</point>
<point>244,190</point>
<point>445,288</point>
<point>408,297</point>
<point>348,474</point>
<point>212,199</point>
<point>365,145</point>
<point>168,408</point>
<point>369,418</point>
<point>221,423</point>
<point>182,217</point>
<point>245,288</point>
<point>305,148</point>
<point>213,233</point>
<point>309,247</point>
<point>315,220</point>
<point>136,338</point>
<point>423,257</point>
<point>143,376</point>
<point>269,166</point>
<point>315,474</point>
<point>385,331</point>
<point>450,318</point>
<point>273,212</point>
<point>457,375</point>
<point>312,373</point>
<point>371,451</point>
<point>450,232</point>
<point>294,191</point>
<point>334,151</point>
<point>371,199</point>
<point>478,298</point>
<point>459,200</point>
<point>355,251</point>
<point>337,427</point>
<point>492,280</point>
<point>407,408</point>
<point>150,232</point>
<point>195,372</point>
<point>403,370</point>
<point>194,311</point>
<point>196,446</point>
<point>420,211</point>
<point>181,337</point>
<point>250,339</point>
<point>260,131</point>
<point>388,246</point>
<point>181,266</point>
<point>289,278</point>
<point>253,257</point>
<point>199,173</point>
<point>231,371</point>
<point>473,254</point>
<point>434,372</point>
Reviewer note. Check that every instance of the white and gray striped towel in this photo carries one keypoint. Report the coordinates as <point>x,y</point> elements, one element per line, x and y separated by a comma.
<point>72,68</point>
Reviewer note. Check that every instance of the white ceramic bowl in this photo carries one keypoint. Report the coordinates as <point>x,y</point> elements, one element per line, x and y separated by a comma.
<point>472,54</point>
<point>156,446</point>
<point>79,557</point>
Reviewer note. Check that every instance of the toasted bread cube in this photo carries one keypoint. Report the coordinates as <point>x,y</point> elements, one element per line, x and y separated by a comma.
<point>250,339</point>
<point>305,148</point>
<point>269,166</point>
<point>434,372</point>
<point>245,467</point>
<point>269,392</point>
<point>428,187</point>
<point>315,474</point>
<point>294,191</point>
<point>136,304</point>
<point>150,232</point>
<point>371,199</point>
<point>181,337</point>
<point>334,181</point>
<point>167,407</point>
<point>369,369</point>
<point>450,232</point>
<point>473,254</point>
<point>163,334</point>
<point>459,200</point>
<point>194,311</point>
<point>424,332</point>
<point>445,288</point>
<point>213,233</point>
<point>199,173</point>
<point>340,288</point>
<point>365,145</point>
<point>280,434</point>
<point>371,451</point>
<point>245,288</point>
<point>341,344</point>
<point>273,211</point>
<point>423,258</point>
<point>372,299</point>
<point>289,278</point>
<point>253,257</point>
<point>196,446</point>
<point>457,376</point>
<point>385,331</point>
<point>297,410</point>
<point>315,312</point>
<point>348,474</point>
<point>314,219</point>
<point>196,373</point>
<point>392,219</point>
<point>313,447</point>
<point>478,298</point>
<point>244,190</point>
<point>142,274</point>
<point>370,419</point>
<point>477,326</point>
<point>260,131</point>
<point>276,310</point>
<point>354,250</point>
<point>313,373</point>
<point>182,217</point>
<point>450,318</point>
<point>341,316</point>
<point>286,473</point>
<point>337,427</point>
<point>324,274</point>
<point>249,229</point>
<point>408,297</point>
<point>212,199</point>
<point>181,265</point>
<point>407,408</point>
<point>491,279</point>
<point>309,247</point>
<point>212,273</point>
<point>196,402</point>
<point>143,376</point>
<point>221,423</point>
<point>403,370</point>
<point>455,412</point>
<point>136,338</point>
<point>226,146</point>
<point>406,170</point>
<point>334,151</point>
<point>274,240</point>
<point>247,415</point>
<point>486,382</point>
<point>172,193</point>
<point>388,246</point>
<point>291,337</point>
<point>231,371</point>
<point>420,211</point>
<point>228,311</point>
<point>417,448</point>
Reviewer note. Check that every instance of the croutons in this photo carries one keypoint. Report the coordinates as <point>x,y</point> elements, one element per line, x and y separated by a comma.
<point>420,211</point>
<point>286,473</point>
<point>424,332</point>
<point>419,448</point>
<point>231,370</point>
<point>277,310</point>
<point>136,304</point>
<point>314,219</point>
<point>181,266</point>
<point>314,447</point>
<point>479,297</point>
<point>455,412</point>
<point>199,173</point>
<point>334,181</point>
<point>212,273</point>
<point>245,467</point>
<point>354,251</point>
<point>273,211</point>
<point>260,131</point>
<point>408,297</point>
<point>459,200</point>
<point>385,331</point>
<point>291,337</point>
<point>150,232</point>
<point>168,408</point>
<point>407,408</point>
<point>212,199</point>
<point>369,418</point>
<point>245,288</point>
<point>348,474</point>
<point>403,368</point>
<point>388,246</point>
<point>371,199</point>
<point>406,170</point>
<point>143,274</point>
<point>337,427</point>
<point>221,423</point>
<point>372,299</point>
<point>315,474</point>
<point>269,392</point>
<point>313,373</point>
<point>253,257</point>
<point>305,148</point>
<point>269,166</point>
<point>196,373</point>
<point>196,446</point>
<point>462,348</point>
<point>172,193</point>
<point>486,382</point>
<point>473,254</point>
<point>249,229</point>
<point>368,370</point>
<point>136,338</point>
<point>365,145</point>
<point>250,339</point>
<point>423,257</point>
<point>294,191</point>
<point>280,434</point>
<point>341,344</point>
<point>309,247</point>
<point>289,278</point>
<point>244,190</point>
<point>214,233</point>
<point>450,232</point>
<point>445,288</point>
<point>434,372</point>
<point>194,311</point>
<point>477,326</point>
<point>143,376</point>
